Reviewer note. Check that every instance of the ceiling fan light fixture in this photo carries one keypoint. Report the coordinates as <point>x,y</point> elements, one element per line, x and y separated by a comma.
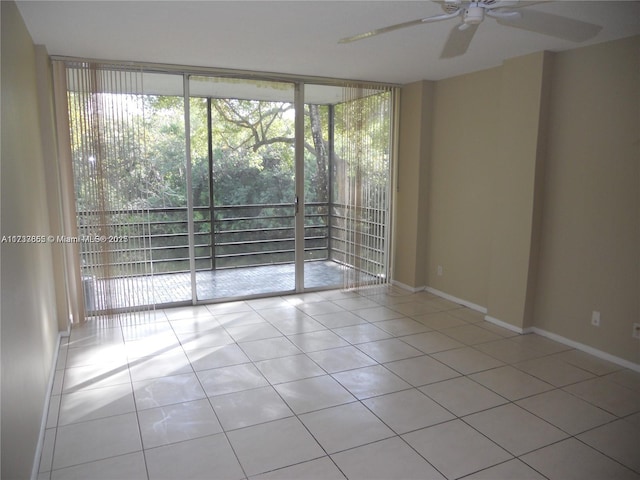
<point>473,15</point>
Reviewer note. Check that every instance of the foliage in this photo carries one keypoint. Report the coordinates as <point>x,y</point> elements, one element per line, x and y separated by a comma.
<point>248,157</point>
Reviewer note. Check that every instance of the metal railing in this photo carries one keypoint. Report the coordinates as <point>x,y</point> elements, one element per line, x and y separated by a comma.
<point>243,235</point>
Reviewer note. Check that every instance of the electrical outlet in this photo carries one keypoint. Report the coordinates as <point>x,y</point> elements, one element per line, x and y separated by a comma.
<point>439,270</point>
<point>595,318</point>
<point>636,331</point>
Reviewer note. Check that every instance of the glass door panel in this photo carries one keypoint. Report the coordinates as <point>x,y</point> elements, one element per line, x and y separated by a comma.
<point>320,268</point>
<point>243,186</point>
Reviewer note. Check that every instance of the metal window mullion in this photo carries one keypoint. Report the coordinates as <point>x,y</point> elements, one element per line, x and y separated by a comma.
<point>299,179</point>
<point>211,196</point>
<point>190,224</point>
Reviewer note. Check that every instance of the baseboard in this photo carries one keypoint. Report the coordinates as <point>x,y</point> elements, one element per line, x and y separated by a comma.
<point>522,331</point>
<point>460,301</point>
<point>506,325</point>
<point>35,470</point>
<point>407,287</point>
<point>587,349</point>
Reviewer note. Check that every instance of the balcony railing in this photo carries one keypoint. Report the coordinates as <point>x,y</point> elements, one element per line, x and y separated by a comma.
<point>243,235</point>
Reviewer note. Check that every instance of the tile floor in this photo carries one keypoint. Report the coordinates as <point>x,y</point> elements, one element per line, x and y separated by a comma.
<point>377,385</point>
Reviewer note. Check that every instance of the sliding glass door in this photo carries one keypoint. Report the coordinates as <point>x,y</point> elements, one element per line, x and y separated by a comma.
<point>227,187</point>
<point>243,182</point>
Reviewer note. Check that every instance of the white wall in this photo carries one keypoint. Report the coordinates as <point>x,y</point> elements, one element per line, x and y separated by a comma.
<point>28,312</point>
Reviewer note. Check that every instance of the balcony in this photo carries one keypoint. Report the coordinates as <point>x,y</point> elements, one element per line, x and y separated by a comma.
<point>251,252</point>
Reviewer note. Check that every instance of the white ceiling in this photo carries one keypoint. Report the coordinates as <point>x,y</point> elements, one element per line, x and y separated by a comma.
<point>300,37</point>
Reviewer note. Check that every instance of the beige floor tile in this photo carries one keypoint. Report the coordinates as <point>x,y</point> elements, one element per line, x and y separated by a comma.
<point>131,466</point>
<point>235,378</point>
<point>228,307</point>
<point>511,383</point>
<point>342,318</point>
<point>340,359</point>
<point>289,369</point>
<point>456,449</point>
<point>248,333</point>
<point>467,360</point>
<point>389,350</point>
<point>95,376</point>
<point>432,342</point>
<point>385,460</point>
<point>321,468</point>
<point>471,334</point>
<point>370,381</point>
<point>206,339</point>
<point>468,315</point>
<point>619,440</point>
<point>462,396</point>
<point>626,378</point>
<point>269,446</point>
<point>511,470</point>
<point>320,308</point>
<point>508,351</point>
<point>269,348</point>
<point>542,345</point>
<point>553,371</point>
<point>249,407</point>
<point>440,320</point>
<point>377,314</point>
<point>345,426</point>
<point>531,432</point>
<point>407,410</point>
<point>414,308</point>
<point>158,392</point>
<point>193,459</point>
<point>94,403</point>
<point>607,395</point>
<point>587,362</point>
<point>173,363</point>
<point>361,333</point>
<point>177,422</point>
<point>356,303</point>
<point>314,393</point>
<point>402,326</point>
<point>320,340</point>
<point>573,460</point>
<point>114,353</point>
<point>566,411</point>
<point>419,371</point>
<point>216,357</point>
<point>96,440</point>
<point>239,319</point>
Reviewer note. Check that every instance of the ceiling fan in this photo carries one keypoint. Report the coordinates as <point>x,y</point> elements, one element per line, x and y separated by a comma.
<point>506,12</point>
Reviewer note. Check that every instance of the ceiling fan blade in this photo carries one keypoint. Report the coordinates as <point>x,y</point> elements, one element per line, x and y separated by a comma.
<point>458,41</point>
<point>553,25</point>
<point>398,26</point>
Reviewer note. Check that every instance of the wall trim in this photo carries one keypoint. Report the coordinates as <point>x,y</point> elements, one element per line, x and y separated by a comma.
<point>451,298</point>
<point>506,325</point>
<point>587,349</point>
<point>407,287</point>
<point>35,470</point>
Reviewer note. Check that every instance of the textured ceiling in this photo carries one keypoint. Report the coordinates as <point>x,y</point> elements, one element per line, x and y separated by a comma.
<point>300,37</point>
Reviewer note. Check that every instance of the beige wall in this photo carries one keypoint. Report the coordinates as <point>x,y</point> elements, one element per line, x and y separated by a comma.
<point>29,324</point>
<point>533,203</point>
<point>459,186</point>
<point>414,145</point>
<point>590,244</point>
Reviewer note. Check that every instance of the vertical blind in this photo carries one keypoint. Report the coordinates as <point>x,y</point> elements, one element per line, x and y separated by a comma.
<point>365,178</point>
<point>107,132</point>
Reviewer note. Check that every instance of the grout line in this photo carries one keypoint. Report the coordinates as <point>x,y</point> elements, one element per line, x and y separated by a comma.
<point>358,400</point>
